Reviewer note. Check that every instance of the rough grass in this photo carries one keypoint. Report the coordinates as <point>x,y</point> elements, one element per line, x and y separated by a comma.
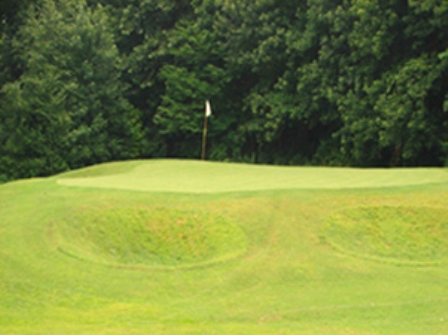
<point>403,235</point>
<point>148,236</point>
<point>95,259</point>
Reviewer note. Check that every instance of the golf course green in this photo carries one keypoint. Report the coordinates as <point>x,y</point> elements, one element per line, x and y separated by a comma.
<point>192,247</point>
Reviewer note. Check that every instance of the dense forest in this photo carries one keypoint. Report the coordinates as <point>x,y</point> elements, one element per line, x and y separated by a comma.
<point>321,82</point>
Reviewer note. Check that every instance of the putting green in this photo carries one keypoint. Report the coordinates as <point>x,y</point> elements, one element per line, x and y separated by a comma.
<point>208,177</point>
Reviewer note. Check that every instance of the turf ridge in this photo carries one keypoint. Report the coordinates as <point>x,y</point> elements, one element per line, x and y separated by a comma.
<point>297,268</point>
<point>209,177</point>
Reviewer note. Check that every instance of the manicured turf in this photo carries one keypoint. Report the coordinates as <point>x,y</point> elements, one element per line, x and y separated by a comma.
<point>205,177</point>
<point>187,247</point>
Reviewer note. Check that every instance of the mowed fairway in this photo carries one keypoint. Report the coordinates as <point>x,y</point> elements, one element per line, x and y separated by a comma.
<point>188,247</point>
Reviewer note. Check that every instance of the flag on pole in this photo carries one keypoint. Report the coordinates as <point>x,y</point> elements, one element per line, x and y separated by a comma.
<point>208,109</point>
<point>208,112</point>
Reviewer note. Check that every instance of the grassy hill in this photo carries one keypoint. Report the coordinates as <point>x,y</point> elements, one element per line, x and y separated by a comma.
<point>188,247</point>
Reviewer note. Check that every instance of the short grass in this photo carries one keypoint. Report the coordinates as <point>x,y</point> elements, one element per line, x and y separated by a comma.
<point>185,247</point>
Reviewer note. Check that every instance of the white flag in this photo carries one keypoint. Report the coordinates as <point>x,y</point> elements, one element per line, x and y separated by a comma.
<point>208,109</point>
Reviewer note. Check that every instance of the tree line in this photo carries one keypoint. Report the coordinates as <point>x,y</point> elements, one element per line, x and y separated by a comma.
<point>319,82</point>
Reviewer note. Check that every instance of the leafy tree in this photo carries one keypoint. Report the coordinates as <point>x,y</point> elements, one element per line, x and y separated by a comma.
<point>255,36</point>
<point>143,30</point>
<point>11,18</point>
<point>359,80</point>
<point>67,109</point>
<point>196,74</point>
<point>390,115</point>
<point>346,82</point>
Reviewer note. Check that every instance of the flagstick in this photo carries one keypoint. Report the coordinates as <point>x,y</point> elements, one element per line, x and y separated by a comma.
<point>208,112</point>
<point>204,138</point>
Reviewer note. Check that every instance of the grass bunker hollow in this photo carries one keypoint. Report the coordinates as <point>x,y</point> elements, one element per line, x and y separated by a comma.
<point>150,236</point>
<point>401,234</point>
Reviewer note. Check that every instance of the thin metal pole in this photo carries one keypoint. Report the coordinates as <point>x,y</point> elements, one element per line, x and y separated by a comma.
<point>204,138</point>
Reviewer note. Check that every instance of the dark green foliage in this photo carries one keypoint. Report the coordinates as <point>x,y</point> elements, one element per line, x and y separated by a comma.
<point>322,82</point>
<point>67,109</point>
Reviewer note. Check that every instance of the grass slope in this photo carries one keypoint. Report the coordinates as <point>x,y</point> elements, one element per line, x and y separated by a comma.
<point>207,177</point>
<point>184,247</point>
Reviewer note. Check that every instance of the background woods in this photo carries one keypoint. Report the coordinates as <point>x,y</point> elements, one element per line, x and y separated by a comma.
<point>347,82</point>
